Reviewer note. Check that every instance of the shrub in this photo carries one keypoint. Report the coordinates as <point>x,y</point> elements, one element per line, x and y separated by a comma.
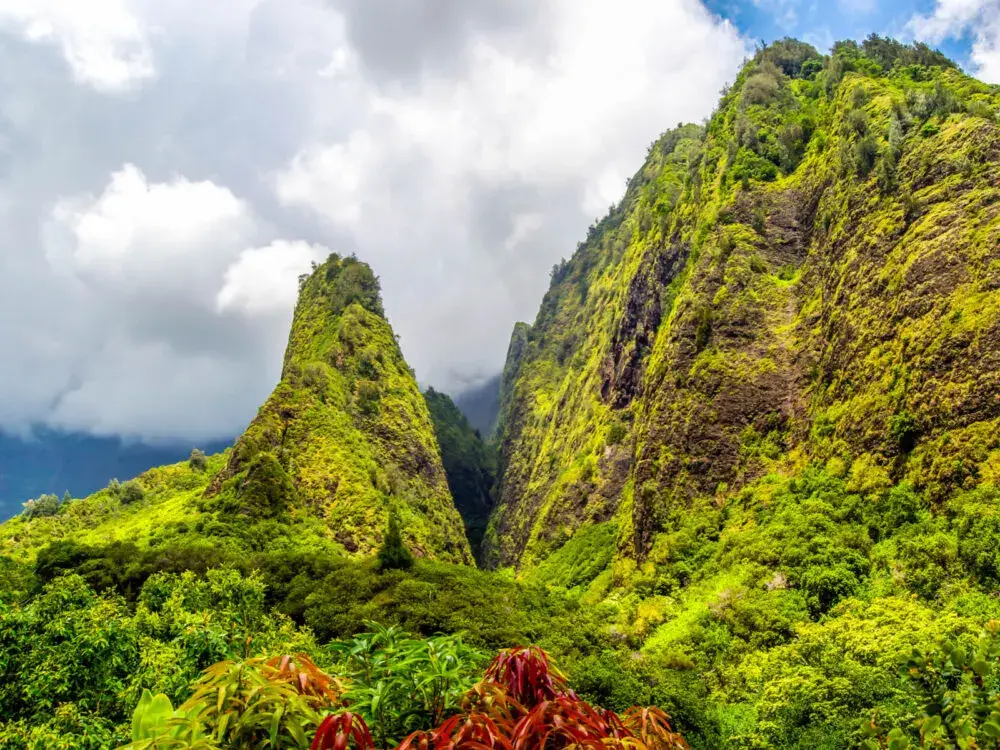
<point>43,505</point>
<point>857,120</point>
<point>865,155</point>
<point>393,554</point>
<point>197,460</point>
<point>131,492</point>
<point>749,165</point>
<point>368,397</point>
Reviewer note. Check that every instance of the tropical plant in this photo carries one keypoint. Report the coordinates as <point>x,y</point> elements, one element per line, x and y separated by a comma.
<point>261,703</point>
<point>958,688</point>
<point>398,684</point>
<point>523,703</point>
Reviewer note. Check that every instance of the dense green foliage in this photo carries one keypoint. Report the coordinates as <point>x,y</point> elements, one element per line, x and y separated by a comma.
<point>749,466</point>
<point>469,463</point>
<point>756,412</point>
<point>92,653</point>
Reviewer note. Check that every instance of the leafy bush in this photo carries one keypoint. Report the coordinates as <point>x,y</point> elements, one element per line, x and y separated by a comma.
<point>957,685</point>
<point>400,684</point>
<point>131,492</point>
<point>393,554</point>
<point>197,460</point>
<point>749,165</point>
<point>41,506</point>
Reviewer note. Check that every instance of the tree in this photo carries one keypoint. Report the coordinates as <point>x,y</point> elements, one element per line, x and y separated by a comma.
<point>131,492</point>
<point>43,505</point>
<point>393,554</point>
<point>197,460</point>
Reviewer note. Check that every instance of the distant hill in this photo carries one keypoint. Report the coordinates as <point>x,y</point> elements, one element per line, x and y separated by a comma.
<point>56,462</point>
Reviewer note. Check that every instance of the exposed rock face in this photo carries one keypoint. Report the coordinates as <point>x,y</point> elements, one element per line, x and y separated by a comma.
<point>813,274</point>
<point>346,429</point>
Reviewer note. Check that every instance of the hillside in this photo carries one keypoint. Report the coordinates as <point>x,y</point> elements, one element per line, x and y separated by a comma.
<point>57,462</point>
<point>757,411</point>
<point>469,463</point>
<point>811,276</point>
<point>748,472</point>
<point>344,439</point>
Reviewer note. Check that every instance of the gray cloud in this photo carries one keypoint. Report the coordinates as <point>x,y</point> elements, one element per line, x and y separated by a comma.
<point>160,183</point>
<point>404,40</point>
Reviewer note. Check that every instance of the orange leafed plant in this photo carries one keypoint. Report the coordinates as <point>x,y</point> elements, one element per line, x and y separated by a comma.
<point>343,731</point>
<point>300,672</point>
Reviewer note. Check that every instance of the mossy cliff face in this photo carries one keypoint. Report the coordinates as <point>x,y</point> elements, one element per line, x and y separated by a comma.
<point>346,435</point>
<point>813,276</point>
<point>469,464</point>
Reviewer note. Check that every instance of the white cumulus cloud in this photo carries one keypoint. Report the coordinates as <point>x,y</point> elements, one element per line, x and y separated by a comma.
<point>264,280</point>
<point>171,167</point>
<point>978,19</point>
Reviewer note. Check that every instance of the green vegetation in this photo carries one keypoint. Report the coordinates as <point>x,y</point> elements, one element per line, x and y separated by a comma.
<point>346,435</point>
<point>755,414</point>
<point>469,464</point>
<point>749,472</point>
<point>393,555</point>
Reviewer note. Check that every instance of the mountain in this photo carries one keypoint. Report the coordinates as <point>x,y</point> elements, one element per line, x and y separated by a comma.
<point>756,416</point>
<point>812,276</point>
<point>481,406</point>
<point>344,441</point>
<point>469,463</point>
<point>56,462</point>
<point>748,471</point>
<point>346,431</point>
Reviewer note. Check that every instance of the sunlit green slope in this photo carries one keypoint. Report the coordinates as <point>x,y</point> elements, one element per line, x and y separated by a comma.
<point>811,276</point>
<point>344,440</point>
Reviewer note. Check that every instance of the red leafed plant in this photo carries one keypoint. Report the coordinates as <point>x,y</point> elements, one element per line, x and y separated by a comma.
<point>527,676</point>
<point>474,731</point>
<point>523,703</point>
<point>342,731</point>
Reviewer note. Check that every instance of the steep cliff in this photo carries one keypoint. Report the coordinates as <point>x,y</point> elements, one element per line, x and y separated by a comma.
<point>812,275</point>
<point>469,464</point>
<point>345,435</point>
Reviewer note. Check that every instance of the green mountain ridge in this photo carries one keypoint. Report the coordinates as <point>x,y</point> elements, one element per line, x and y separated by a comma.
<point>344,440</point>
<point>810,276</point>
<point>747,458</point>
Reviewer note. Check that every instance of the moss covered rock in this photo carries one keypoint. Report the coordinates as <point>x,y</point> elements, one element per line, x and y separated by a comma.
<point>346,434</point>
<point>811,275</point>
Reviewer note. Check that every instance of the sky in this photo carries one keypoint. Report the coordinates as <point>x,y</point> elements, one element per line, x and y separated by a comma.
<point>169,167</point>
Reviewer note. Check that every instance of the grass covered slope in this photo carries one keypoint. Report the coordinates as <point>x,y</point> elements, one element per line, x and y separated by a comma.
<point>161,506</point>
<point>346,435</point>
